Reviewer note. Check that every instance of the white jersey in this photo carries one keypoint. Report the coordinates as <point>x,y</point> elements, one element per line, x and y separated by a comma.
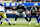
<point>2,9</point>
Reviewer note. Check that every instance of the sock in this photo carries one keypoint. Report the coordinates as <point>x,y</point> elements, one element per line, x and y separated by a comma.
<point>29,22</point>
<point>16,17</point>
<point>37,23</point>
<point>38,20</point>
<point>37,17</point>
<point>0,19</point>
<point>26,18</point>
<point>7,20</point>
<point>1,22</point>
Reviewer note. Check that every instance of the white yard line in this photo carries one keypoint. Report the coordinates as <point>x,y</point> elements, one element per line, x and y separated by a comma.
<point>16,26</point>
<point>20,21</point>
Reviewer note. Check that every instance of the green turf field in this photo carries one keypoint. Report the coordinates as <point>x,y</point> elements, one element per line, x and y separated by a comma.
<point>21,22</point>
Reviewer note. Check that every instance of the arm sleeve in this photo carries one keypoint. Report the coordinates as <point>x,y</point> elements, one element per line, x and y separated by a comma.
<point>31,9</point>
<point>36,9</point>
<point>24,8</point>
<point>5,9</point>
<point>17,8</point>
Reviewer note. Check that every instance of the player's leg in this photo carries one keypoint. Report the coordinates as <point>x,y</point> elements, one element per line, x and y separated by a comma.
<point>30,19</point>
<point>4,16</point>
<point>36,17</point>
<point>1,21</point>
<point>38,22</point>
<point>16,17</point>
<point>25,16</point>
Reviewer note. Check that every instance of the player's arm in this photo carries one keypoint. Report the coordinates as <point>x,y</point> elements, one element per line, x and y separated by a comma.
<point>31,10</point>
<point>16,8</point>
<point>36,10</point>
<point>25,10</point>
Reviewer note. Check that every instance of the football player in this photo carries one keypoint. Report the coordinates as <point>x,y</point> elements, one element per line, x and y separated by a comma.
<point>3,13</point>
<point>38,18</point>
<point>33,11</point>
<point>21,10</point>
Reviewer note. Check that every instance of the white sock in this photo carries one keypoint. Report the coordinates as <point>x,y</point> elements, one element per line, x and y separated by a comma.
<point>37,23</point>
<point>8,22</point>
<point>15,21</point>
<point>29,22</point>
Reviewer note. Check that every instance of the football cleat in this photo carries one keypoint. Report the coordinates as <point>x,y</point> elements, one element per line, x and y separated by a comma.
<point>14,23</point>
<point>1,23</point>
<point>36,24</point>
<point>9,23</point>
<point>29,23</point>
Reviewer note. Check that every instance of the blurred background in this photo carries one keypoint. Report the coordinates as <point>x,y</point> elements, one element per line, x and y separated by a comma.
<point>9,9</point>
<point>21,0</point>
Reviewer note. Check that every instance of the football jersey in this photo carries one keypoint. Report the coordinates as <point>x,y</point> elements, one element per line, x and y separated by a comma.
<point>20,9</point>
<point>33,10</point>
<point>2,9</point>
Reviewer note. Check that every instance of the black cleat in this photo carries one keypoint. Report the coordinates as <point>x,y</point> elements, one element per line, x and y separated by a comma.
<point>1,23</point>
<point>9,24</point>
